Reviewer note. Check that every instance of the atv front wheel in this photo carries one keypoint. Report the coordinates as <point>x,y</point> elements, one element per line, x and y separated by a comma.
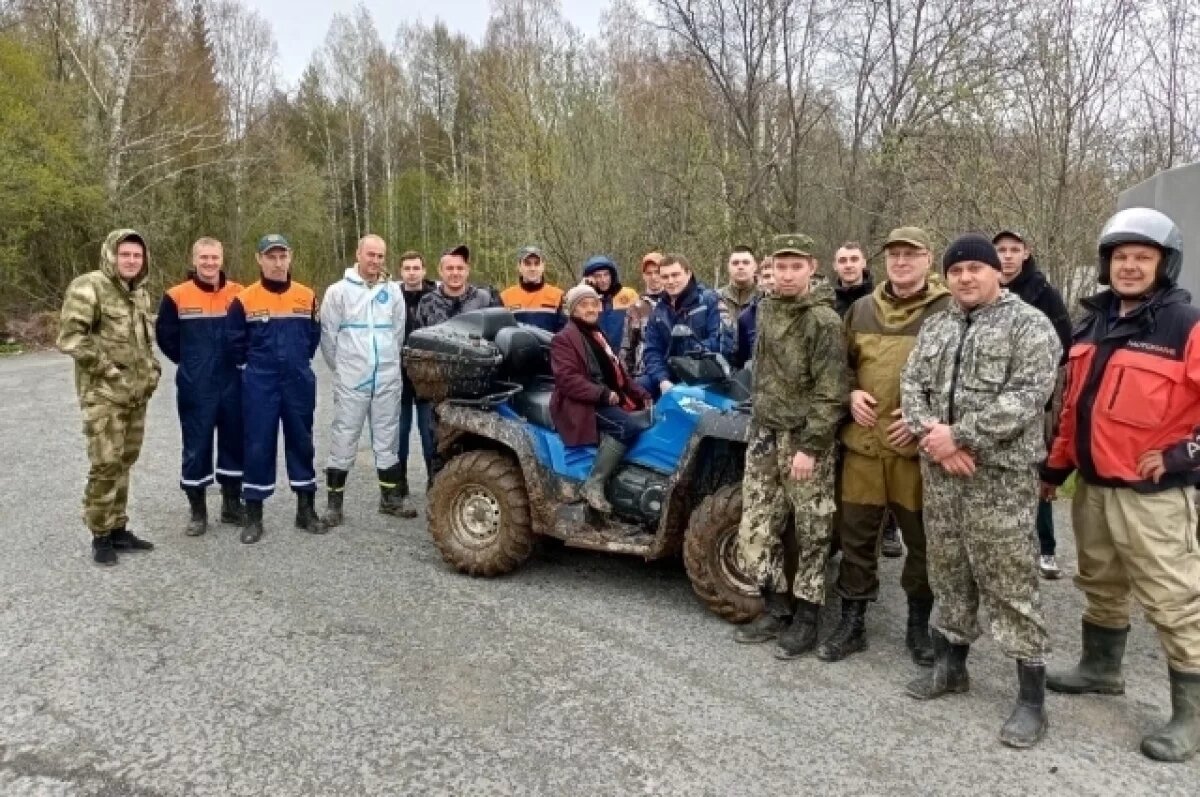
<point>710,556</point>
<point>478,513</point>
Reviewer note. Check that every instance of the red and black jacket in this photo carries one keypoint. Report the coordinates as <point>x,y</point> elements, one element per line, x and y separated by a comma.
<point>1133,385</point>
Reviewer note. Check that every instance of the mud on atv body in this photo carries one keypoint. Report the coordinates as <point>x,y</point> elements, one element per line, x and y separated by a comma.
<point>496,488</point>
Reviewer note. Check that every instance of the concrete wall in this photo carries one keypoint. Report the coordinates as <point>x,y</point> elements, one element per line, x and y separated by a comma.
<point>1175,192</point>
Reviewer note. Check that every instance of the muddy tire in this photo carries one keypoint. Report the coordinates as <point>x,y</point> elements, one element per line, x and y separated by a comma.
<point>478,514</point>
<point>709,556</point>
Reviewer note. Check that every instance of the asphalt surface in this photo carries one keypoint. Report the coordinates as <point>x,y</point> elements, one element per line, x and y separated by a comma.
<point>357,663</point>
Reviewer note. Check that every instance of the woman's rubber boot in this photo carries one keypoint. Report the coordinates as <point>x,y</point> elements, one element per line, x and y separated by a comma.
<point>608,457</point>
<point>198,522</point>
<point>949,674</point>
<point>335,491</point>
<point>1099,668</point>
<point>1027,723</point>
<point>1178,740</point>
<point>776,615</point>
<point>252,531</point>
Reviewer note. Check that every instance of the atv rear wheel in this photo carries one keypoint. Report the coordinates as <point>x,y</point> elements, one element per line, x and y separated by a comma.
<point>710,556</point>
<point>478,514</point>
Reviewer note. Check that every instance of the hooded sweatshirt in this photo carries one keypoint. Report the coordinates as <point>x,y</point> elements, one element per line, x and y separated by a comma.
<point>800,368</point>
<point>881,332</point>
<point>107,327</point>
<point>1033,288</point>
<point>616,301</point>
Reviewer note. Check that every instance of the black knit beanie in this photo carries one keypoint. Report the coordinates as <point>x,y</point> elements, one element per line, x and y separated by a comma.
<point>970,247</point>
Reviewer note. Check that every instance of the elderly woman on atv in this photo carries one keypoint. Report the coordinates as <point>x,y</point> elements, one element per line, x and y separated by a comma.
<point>595,400</point>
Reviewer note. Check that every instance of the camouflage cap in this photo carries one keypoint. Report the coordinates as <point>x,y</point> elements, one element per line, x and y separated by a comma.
<point>794,243</point>
<point>913,236</point>
<point>529,251</point>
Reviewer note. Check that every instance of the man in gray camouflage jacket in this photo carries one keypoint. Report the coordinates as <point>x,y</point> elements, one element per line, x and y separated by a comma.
<point>974,390</point>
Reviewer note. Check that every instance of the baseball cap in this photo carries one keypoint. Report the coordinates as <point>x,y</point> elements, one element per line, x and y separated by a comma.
<point>1010,233</point>
<point>651,259</point>
<point>913,236</point>
<point>273,241</point>
<point>792,243</point>
<point>462,250</point>
<point>529,251</point>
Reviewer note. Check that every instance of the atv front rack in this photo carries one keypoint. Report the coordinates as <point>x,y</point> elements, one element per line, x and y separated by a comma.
<point>491,400</point>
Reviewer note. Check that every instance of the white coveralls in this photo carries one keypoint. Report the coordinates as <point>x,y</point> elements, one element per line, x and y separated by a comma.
<point>362,332</point>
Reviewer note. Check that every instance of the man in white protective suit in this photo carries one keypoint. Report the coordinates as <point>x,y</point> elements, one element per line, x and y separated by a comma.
<point>362,332</point>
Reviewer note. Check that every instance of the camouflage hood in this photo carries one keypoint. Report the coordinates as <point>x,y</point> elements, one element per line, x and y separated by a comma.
<point>108,256</point>
<point>894,313</point>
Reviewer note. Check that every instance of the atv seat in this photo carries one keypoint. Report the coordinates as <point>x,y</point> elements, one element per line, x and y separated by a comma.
<point>485,324</point>
<point>525,353</point>
<point>534,406</point>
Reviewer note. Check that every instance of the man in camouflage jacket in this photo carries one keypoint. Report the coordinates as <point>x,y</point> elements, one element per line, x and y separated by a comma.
<point>799,399</point>
<point>107,326</point>
<point>973,392</point>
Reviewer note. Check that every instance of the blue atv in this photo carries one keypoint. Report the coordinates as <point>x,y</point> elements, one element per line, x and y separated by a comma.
<point>503,476</point>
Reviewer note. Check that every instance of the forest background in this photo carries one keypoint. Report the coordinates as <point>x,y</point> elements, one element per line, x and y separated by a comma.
<point>682,125</point>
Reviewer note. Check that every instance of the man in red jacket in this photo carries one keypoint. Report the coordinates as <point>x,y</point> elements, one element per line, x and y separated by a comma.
<point>1130,427</point>
<point>594,395</point>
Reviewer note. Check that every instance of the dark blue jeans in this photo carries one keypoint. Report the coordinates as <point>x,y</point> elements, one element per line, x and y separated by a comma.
<point>1045,528</point>
<point>409,400</point>
<point>618,424</point>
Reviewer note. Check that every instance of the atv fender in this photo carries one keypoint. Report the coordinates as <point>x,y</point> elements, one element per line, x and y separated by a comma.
<point>725,432</point>
<point>463,428</point>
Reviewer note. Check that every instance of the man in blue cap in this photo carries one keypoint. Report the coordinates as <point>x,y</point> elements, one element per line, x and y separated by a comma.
<point>273,334</point>
<point>600,271</point>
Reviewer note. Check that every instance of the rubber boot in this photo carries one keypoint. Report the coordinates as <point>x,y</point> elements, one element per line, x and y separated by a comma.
<point>917,638</point>
<point>402,481</point>
<point>335,491</point>
<point>306,514</point>
<point>777,613</point>
<point>125,540</point>
<point>103,552</point>
<point>233,511</point>
<point>198,524</point>
<point>1099,668</point>
<point>608,457</point>
<point>391,496</point>
<point>850,636</point>
<point>1027,723</point>
<point>949,673</point>
<point>252,530</point>
<point>801,636</point>
<point>1179,739</point>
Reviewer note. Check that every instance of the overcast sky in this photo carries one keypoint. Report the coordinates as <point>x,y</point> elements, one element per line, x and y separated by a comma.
<point>300,25</point>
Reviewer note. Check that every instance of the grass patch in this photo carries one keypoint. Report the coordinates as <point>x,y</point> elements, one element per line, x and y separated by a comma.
<point>7,349</point>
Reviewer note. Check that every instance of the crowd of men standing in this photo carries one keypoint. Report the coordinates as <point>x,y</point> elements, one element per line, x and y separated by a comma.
<point>919,408</point>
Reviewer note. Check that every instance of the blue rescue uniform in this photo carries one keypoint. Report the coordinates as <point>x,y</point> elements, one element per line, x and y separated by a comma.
<point>274,332</point>
<point>208,388</point>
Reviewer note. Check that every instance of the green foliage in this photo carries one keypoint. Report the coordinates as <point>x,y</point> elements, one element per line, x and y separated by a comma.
<point>50,198</point>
